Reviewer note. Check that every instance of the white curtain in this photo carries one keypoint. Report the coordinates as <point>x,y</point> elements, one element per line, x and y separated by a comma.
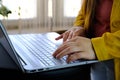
<point>51,15</point>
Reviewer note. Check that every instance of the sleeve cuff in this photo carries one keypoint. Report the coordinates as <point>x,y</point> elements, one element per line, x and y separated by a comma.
<point>100,49</point>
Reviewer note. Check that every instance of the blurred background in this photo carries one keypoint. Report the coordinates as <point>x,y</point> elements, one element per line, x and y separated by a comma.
<point>37,16</point>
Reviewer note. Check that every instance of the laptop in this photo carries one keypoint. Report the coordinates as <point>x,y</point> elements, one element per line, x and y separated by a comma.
<point>32,53</point>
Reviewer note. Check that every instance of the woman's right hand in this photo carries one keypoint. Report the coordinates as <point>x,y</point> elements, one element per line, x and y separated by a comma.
<point>71,33</point>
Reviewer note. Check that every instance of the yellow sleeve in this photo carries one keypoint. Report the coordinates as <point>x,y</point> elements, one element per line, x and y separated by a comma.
<point>80,19</point>
<point>107,46</point>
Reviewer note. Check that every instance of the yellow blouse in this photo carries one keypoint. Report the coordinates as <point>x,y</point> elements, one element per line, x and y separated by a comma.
<point>108,46</point>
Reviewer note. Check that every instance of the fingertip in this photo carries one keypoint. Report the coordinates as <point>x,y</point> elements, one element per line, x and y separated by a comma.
<point>54,55</point>
<point>56,38</point>
<point>68,61</point>
<point>59,37</point>
<point>58,57</point>
<point>70,58</point>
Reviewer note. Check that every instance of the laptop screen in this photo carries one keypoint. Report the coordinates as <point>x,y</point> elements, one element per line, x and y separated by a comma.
<point>5,41</point>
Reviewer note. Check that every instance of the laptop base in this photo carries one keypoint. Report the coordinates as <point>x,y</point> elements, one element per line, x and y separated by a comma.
<point>73,73</point>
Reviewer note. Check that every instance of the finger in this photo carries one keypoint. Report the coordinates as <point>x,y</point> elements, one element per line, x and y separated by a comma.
<point>59,37</point>
<point>69,49</point>
<point>74,35</point>
<point>75,56</point>
<point>70,35</point>
<point>65,36</point>
<point>63,53</point>
<point>62,47</point>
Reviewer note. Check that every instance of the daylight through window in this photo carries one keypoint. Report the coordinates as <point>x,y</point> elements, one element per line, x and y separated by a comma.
<point>20,8</point>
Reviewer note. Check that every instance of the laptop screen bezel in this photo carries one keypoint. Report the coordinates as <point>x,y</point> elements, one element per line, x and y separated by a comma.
<point>13,53</point>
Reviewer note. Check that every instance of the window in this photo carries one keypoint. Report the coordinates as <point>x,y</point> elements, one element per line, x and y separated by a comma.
<point>71,7</point>
<point>50,8</point>
<point>21,8</point>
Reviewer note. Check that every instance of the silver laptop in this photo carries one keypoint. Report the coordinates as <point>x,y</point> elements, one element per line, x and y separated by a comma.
<point>33,52</point>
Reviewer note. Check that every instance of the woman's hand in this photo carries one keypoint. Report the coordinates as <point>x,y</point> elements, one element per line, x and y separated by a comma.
<point>71,33</point>
<point>76,48</point>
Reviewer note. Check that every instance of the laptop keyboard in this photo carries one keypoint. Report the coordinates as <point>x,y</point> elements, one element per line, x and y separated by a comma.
<point>41,47</point>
